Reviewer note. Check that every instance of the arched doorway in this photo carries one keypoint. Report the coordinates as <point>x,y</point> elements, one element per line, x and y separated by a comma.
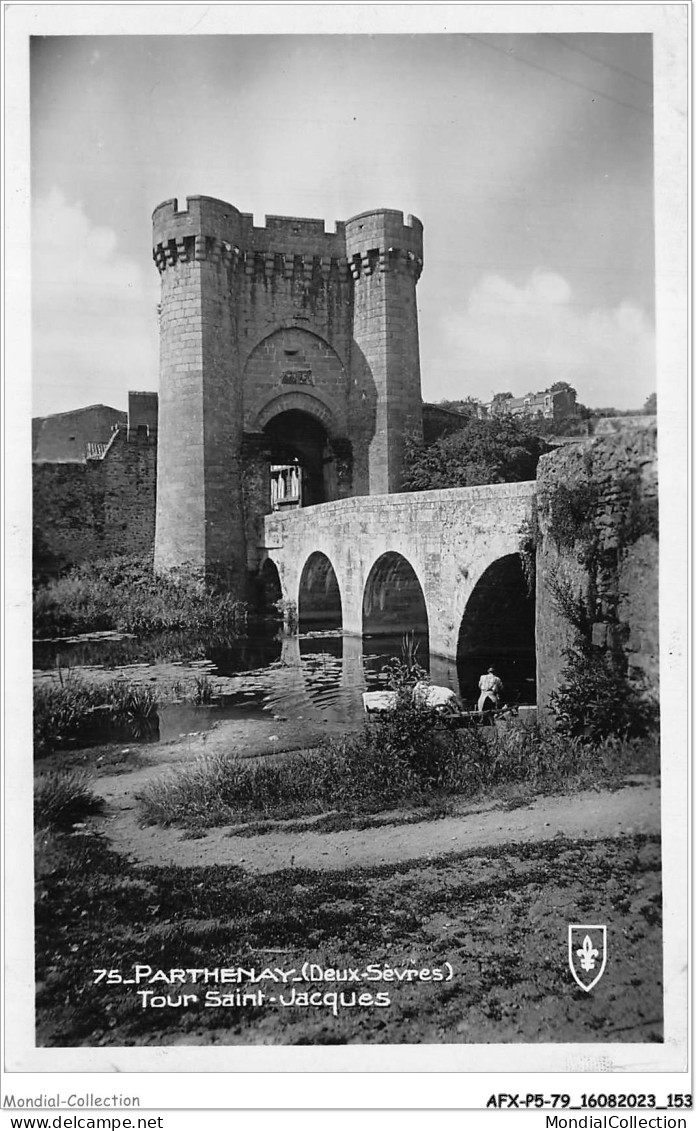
<point>319,600</point>
<point>498,629</point>
<point>393,601</point>
<point>301,460</point>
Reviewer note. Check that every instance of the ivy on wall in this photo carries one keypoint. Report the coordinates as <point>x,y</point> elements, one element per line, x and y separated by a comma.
<point>595,523</point>
<point>572,513</point>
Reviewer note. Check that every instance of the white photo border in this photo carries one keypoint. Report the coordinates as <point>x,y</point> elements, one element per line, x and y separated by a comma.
<point>668,23</point>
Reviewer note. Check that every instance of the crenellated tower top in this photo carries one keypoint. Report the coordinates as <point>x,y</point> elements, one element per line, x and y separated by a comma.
<point>211,229</point>
<point>381,241</point>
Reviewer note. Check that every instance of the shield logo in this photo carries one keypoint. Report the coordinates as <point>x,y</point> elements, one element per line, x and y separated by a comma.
<point>587,953</point>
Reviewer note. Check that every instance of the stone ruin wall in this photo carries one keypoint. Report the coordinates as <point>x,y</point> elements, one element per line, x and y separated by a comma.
<point>597,539</point>
<point>91,510</point>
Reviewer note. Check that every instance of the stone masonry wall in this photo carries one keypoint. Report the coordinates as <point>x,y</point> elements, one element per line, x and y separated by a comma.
<point>98,508</point>
<point>597,553</point>
<point>291,360</point>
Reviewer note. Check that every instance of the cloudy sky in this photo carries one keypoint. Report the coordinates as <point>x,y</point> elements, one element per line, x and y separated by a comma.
<point>529,159</point>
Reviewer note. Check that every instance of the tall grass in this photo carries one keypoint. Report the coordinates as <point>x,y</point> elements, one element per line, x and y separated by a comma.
<point>203,690</point>
<point>123,593</point>
<point>398,760</point>
<point>73,710</point>
<point>63,798</point>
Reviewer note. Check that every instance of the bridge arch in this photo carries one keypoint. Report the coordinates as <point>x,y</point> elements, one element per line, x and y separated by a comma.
<point>393,599</point>
<point>498,629</point>
<point>270,590</point>
<point>319,602</point>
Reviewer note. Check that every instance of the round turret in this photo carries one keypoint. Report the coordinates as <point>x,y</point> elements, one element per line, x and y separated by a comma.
<point>204,217</point>
<point>385,257</point>
<point>199,520</point>
<point>381,238</point>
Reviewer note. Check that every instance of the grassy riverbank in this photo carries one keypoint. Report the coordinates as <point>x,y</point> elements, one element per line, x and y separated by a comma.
<point>124,594</point>
<point>402,759</point>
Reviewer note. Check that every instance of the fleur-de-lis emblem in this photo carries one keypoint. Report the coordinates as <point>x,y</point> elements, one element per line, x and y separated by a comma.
<point>587,954</point>
<point>589,945</point>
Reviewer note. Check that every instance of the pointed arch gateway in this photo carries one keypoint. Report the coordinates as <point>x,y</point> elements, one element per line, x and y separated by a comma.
<point>498,629</point>
<point>295,389</point>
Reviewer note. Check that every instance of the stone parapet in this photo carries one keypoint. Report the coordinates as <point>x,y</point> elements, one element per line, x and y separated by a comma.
<point>203,216</point>
<point>210,229</point>
<point>449,538</point>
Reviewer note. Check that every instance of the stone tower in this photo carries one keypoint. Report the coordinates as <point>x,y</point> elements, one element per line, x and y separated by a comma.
<point>385,261</point>
<point>282,344</point>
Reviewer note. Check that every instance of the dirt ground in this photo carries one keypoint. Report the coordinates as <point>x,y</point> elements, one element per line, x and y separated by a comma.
<point>634,809</point>
<point>489,888</point>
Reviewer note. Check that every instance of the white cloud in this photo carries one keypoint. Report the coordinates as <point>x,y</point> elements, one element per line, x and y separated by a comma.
<point>522,338</point>
<point>94,333</point>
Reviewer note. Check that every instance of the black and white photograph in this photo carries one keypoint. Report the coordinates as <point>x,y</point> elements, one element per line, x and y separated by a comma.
<point>347,593</point>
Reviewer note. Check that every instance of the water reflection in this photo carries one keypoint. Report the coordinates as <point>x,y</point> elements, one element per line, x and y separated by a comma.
<point>325,674</point>
<point>317,676</point>
<point>113,650</point>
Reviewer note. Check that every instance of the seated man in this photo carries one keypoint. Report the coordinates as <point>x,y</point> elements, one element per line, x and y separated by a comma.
<point>491,688</point>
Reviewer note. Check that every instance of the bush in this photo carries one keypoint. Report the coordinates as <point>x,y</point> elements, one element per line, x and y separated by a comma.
<point>498,450</point>
<point>63,798</point>
<point>597,699</point>
<point>402,674</point>
<point>123,593</point>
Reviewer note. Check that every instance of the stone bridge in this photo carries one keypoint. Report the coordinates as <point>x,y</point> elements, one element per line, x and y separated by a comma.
<point>443,562</point>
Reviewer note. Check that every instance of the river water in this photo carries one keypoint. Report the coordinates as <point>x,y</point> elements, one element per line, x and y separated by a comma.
<point>317,676</point>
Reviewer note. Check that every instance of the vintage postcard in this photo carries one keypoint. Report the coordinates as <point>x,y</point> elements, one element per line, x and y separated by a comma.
<point>345,588</point>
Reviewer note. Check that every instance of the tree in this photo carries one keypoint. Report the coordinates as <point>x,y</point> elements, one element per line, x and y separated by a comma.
<point>650,406</point>
<point>498,450</point>
<point>561,386</point>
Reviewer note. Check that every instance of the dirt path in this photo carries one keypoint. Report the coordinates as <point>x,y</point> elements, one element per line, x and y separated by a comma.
<point>589,814</point>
